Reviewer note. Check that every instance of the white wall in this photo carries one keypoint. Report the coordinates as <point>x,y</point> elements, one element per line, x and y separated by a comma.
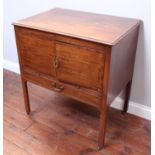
<point>17,9</point>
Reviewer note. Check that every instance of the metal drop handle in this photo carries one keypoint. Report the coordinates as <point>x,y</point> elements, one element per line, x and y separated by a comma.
<point>58,89</point>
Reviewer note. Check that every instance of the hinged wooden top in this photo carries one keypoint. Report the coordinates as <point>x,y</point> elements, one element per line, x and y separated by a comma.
<point>88,26</point>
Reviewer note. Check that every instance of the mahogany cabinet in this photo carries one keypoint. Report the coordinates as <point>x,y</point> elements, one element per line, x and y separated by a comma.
<point>88,57</point>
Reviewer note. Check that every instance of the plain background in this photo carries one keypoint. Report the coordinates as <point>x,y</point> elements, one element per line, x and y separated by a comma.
<point>141,91</point>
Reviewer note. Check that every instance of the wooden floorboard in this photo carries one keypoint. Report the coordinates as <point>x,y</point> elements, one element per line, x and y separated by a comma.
<point>12,149</point>
<point>58,125</point>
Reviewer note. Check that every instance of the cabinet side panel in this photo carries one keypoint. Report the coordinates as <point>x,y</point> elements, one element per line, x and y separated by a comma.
<point>122,63</point>
<point>18,48</point>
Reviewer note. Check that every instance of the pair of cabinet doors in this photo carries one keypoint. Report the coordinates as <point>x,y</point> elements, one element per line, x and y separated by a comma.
<point>74,64</point>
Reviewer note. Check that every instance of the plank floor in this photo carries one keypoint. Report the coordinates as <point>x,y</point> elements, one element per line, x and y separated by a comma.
<point>58,125</point>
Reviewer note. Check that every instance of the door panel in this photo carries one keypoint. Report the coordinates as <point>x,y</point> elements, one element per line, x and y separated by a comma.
<point>37,50</point>
<point>79,65</point>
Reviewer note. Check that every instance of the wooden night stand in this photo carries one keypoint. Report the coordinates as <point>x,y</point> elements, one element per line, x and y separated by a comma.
<point>89,57</point>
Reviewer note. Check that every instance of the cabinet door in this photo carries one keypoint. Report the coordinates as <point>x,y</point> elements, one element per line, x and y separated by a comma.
<point>80,66</point>
<point>36,50</point>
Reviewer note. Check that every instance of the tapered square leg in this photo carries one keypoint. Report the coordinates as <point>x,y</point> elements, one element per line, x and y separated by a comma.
<point>127,97</point>
<point>26,96</point>
<point>102,126</point>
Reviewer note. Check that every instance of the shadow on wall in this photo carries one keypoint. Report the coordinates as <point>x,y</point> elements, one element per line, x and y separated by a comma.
<point>139,77</point>
<point>139,81</point>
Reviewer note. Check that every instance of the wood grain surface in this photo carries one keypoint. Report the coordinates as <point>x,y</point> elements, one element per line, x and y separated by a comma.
<point>88,57</point>
<point>62,126</point>
<point>37,50</point>
<point>89,26</point>
<point>80,66</point>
